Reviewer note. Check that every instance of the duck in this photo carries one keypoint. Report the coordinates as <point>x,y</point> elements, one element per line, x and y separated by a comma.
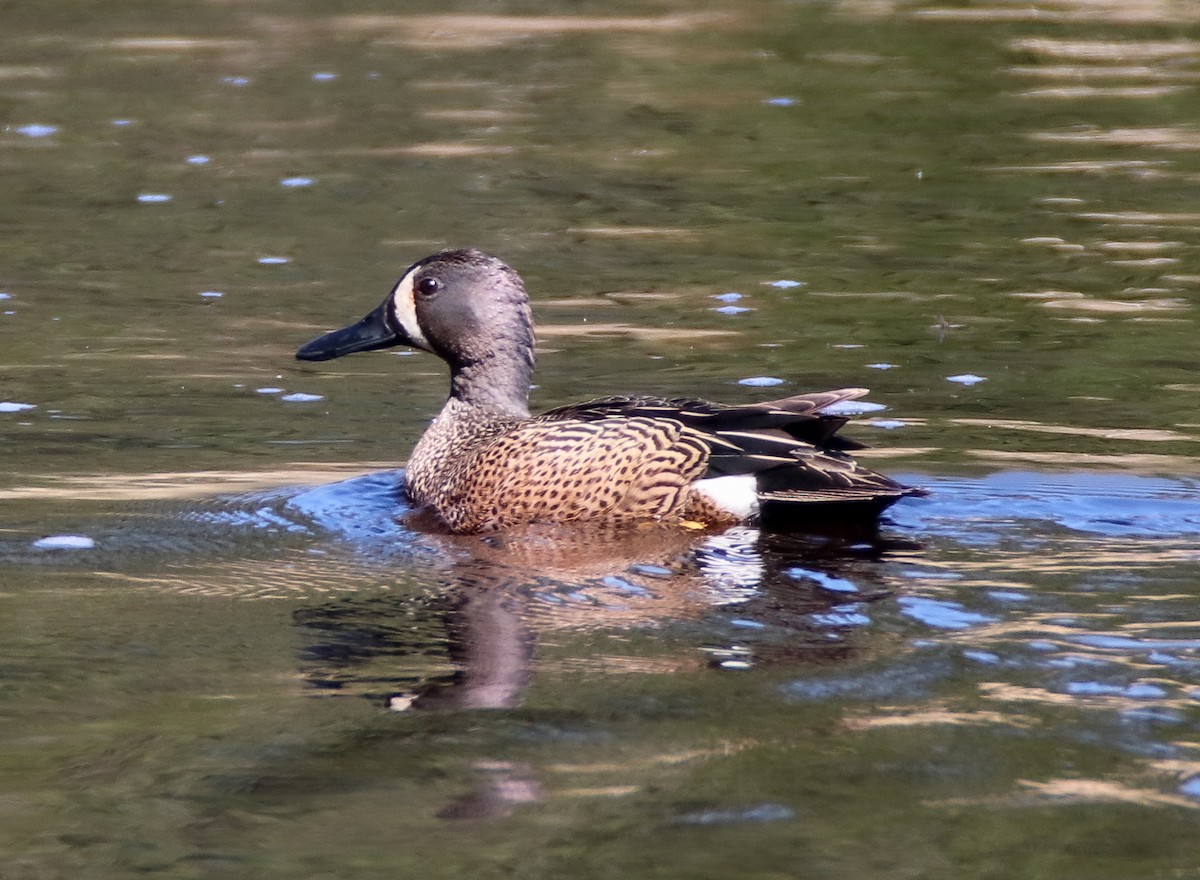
<point>485,464</point>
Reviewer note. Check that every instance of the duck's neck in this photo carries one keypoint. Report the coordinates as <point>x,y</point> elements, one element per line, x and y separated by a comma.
<point>499,380</point>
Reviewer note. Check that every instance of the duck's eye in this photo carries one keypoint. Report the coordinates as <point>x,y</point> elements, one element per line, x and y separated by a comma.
<point>428,286</point>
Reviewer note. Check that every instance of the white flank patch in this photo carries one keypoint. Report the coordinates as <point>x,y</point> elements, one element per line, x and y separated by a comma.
<point>737,495</point>
<point>404,307</point>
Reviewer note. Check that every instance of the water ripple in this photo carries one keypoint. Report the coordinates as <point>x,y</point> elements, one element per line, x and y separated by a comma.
<point>1114,505</point>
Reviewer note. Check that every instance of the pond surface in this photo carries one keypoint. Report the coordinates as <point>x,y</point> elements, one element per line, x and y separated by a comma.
<point>223,653</point>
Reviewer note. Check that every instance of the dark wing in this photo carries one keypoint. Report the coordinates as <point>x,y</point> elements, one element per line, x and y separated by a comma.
<point>800,417</point>
<point>790,445</point>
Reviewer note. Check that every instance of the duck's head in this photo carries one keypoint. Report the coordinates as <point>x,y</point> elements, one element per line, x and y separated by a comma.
<point>465,306</point>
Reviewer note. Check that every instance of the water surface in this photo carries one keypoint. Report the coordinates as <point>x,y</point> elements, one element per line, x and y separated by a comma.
<point>235,657</point>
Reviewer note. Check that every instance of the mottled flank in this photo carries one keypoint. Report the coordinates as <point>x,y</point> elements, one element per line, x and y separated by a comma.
<point>486,464</point>
<point>482,471</point>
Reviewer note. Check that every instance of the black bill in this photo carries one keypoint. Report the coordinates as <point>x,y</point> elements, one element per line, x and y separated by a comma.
<point>372,332</point>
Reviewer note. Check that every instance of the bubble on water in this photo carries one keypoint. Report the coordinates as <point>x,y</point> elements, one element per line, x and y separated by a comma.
<point>1153,715</point>
<point>780,102</point>
<point>822,580</point>
<point>153,198</point>
<point>727,297</point>
<point>1165,658</point>
<point>842,615</point>
<point>966,379</point>
<point>236,80</point>
<point>616,582</point>
<point>35,130</point>
<point>121,123</point>
<point>785,284</point>
<point>302,397</point>
<point>852,407</point>
<point>211,294</point>
<point>887,424</point>
<point>743,623</point>
<point>65,542</point>
<point>1007,596</point>
<point>1121,643</point>
<point>941,614</point>
<point>296,182</point>
<point>848,345</point>
<point>274,261</point>
<point>760,381</point>
<point>324,76</point>
<point>1077,662</point>
<point>732,310</point>
<point>985,657</point>
<point>756,814</point>
<point>881,366</point>
<point>269,390</point>
<point>648,569</point>
<point>7,406</point>
<point>1142,690</point>
<point>197,160</point>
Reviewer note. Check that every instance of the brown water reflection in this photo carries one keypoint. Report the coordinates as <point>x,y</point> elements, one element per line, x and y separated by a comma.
<point>468,32</point>
<point>174,486</point>
<point>1115,12</point>
<point>502,596</point>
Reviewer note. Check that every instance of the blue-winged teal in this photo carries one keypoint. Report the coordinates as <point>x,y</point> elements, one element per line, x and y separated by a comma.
<point>485,463</point>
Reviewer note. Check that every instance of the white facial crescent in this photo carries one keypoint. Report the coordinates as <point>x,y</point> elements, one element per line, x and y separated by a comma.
<point>404,308</point>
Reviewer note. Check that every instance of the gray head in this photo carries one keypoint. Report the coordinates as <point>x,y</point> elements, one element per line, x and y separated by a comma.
<point>465,306</point>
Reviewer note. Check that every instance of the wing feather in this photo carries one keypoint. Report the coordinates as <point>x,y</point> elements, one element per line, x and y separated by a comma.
<point>790,445</point>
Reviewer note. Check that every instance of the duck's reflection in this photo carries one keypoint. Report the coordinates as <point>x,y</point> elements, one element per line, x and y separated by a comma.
<point>492,649</point>
<point>470,641</point>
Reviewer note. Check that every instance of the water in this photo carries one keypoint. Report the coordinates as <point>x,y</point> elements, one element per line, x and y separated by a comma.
<point>224,651</point>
